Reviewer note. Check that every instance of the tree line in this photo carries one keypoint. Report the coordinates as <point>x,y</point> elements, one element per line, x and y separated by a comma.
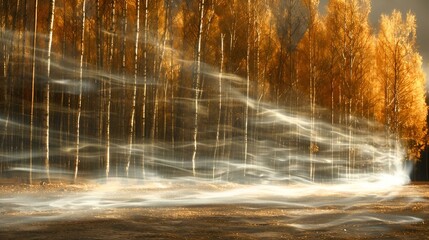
<point>101,85</point>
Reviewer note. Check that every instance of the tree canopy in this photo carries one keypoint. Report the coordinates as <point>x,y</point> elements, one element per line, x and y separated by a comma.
<point>152,71</point>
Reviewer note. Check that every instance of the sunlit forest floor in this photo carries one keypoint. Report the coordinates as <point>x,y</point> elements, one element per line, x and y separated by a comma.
<point>86,211</point>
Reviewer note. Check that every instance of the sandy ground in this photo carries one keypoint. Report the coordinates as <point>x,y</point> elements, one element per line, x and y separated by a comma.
<point>405,216</point>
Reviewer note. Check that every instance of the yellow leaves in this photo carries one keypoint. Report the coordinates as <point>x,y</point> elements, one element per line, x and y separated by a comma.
<point>399,67</point>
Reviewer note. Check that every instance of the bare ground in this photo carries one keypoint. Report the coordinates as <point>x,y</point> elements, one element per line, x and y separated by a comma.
<point>396,218</point>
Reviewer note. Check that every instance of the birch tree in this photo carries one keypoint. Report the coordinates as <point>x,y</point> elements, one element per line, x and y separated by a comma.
<point>98,37</point>
<point>109,87</point>
<point>124,60</point>
<point>145,63</point>
<point>197,83</point>
<point>47,85</point>
<point>399,68</point>
<point>351,41</point>
<point>134,95</point>
<point>311,63</point>
<point>79,109</point>
<point>219,118</point>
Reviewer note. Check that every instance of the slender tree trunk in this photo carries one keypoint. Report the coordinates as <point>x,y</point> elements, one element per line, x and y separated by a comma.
<point>312,45</point>
<point>4,51</point>
<point>124,69</point>
<point>256,62</point>
<point>22,72</point>
<point>50,32</point>
<point>145,63</point>
<point>333,147</point>
<point>350,137</point>
<point>79,110</point>
<point>47,86</point>
<point>157,63</point>
<point>167,36</point>
<point>62,132</point>
<point>124,34</point>
<point>197,79</point>
<point>9,53</point>
<point>99,67</point>
<point>133,104</point>
<point>246,114</point>
<point>69,99</point>
<point>33,79</point>
<point>219,117</point>
<point>312,101</point>
<point>24,40</point>
<point>109,87</point>
<point>98,36</point>
<point>145,49</point>
<point>172,84</point>
<point>3,16</point>
<point>229,106</point>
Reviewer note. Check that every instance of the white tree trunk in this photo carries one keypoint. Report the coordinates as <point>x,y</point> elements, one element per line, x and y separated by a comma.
<point>222,37</point>
<point>109,87</point>
<point>197,80</point>
<point>145,46</point>
<point>133,104</point>
<point>79,109</point>
<point>47,86</point>
<point>246,123</point>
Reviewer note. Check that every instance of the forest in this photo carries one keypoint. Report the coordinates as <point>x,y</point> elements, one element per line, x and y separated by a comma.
<point>137,88</point>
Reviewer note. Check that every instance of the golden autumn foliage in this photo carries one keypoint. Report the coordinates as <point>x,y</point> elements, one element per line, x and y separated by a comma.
<point>399,70</point>
<point>291,54</point>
